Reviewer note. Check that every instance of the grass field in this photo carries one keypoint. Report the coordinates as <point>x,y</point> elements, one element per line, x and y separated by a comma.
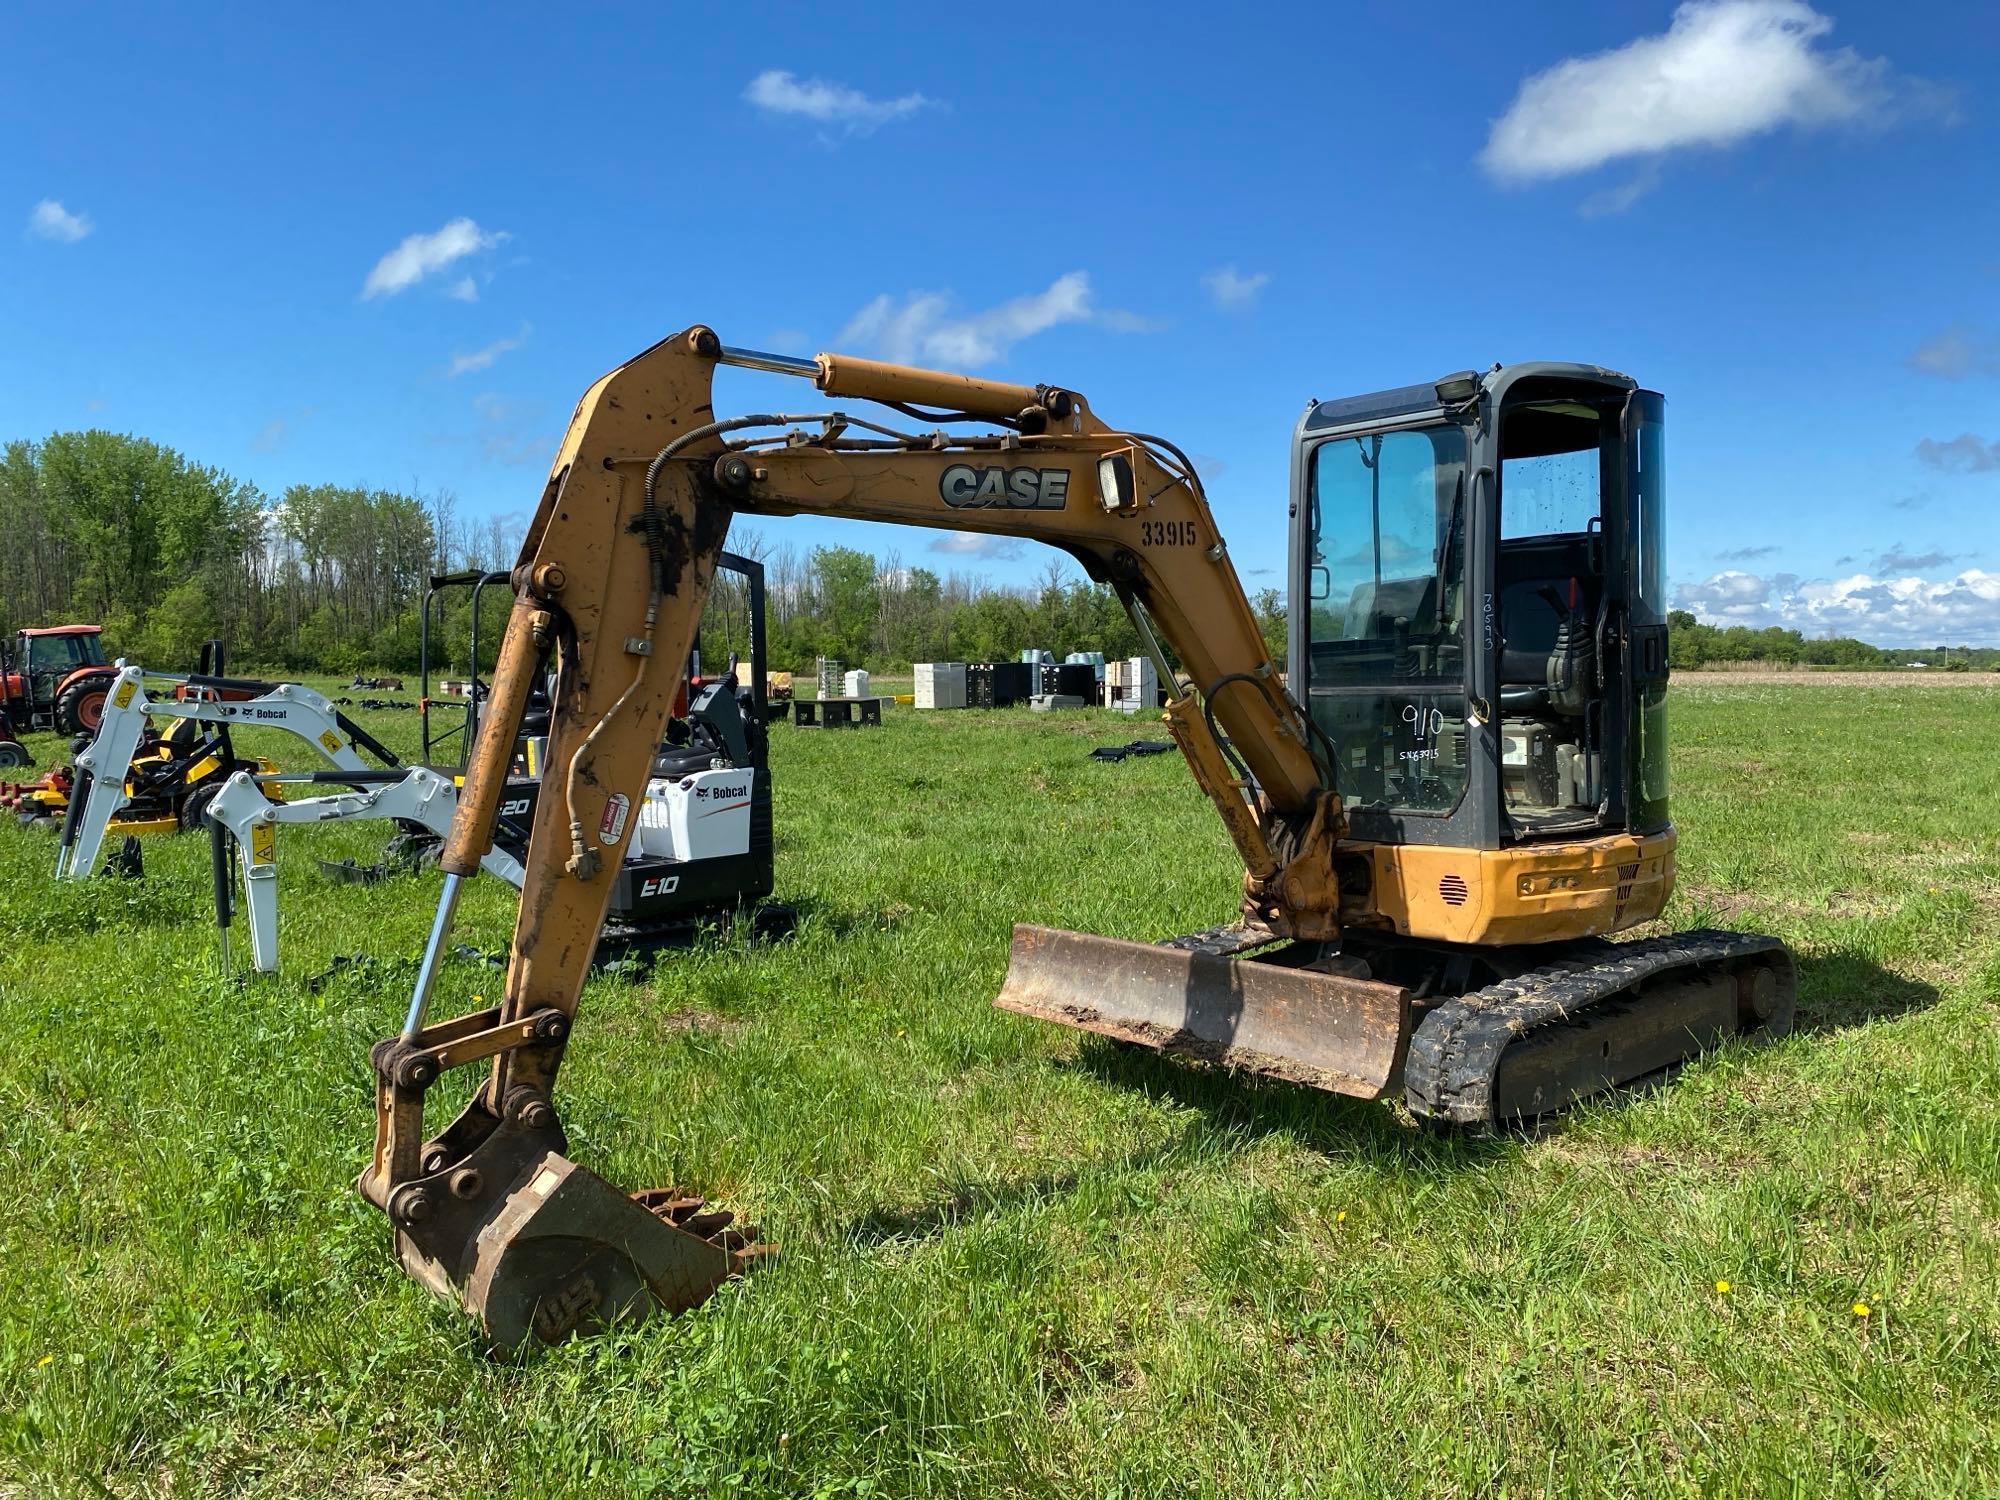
<point>1015,1260</point>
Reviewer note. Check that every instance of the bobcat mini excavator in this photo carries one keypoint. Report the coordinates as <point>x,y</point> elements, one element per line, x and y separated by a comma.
<point>1458,794</point>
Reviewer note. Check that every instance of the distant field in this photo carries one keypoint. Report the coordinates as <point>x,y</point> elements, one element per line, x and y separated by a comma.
<point>1016,1260</point>
<point>1803,677</point>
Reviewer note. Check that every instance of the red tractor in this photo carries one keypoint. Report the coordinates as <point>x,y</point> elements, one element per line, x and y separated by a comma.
<point>56,677</point>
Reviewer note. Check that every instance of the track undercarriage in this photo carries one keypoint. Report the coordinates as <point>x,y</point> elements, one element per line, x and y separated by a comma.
<point>1475,1038</point>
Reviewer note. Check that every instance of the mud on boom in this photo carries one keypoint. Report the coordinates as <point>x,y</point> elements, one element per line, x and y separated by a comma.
<point>1443,815</point>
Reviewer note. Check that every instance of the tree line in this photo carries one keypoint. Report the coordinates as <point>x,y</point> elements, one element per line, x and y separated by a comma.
<point>166,553</point>
<point>1691,644</point>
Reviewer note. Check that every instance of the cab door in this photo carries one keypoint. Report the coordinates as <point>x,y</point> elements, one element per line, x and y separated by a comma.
<point>1634,644</point>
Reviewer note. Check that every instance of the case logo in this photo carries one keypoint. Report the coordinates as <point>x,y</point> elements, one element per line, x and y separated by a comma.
<point>995,487</point>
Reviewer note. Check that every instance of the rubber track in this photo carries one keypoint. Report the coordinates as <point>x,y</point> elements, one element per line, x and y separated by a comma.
<point>1455,1054</point>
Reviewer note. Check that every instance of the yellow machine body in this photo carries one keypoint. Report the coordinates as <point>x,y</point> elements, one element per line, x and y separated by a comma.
<point>1530,893</point>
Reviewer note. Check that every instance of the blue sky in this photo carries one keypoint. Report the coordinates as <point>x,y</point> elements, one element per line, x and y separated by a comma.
<point>391,245</point>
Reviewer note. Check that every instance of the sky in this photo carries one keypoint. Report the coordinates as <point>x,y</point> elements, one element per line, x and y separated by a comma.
<point>391,245</point>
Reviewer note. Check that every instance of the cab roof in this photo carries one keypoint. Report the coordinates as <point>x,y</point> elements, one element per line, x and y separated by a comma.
<point>1408,400</point>
<point>63,630</point>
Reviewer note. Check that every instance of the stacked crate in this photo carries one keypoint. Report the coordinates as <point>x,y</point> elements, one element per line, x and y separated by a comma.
<point>854,684</point>
<point>1095,659</point>
<point>1131,686</point>
<point>998,684</point>
<point>1067,679</point>
<point>940,684</point>
<point>827,675</point>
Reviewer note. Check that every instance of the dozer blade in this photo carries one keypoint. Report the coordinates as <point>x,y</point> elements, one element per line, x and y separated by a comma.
<point>1303,1025</point>
<point>566,1253</point>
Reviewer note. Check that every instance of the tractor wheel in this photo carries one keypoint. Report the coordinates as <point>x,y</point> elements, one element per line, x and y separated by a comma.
<point>193,805</point>
<point>14,753</point>
<point>80,708</point>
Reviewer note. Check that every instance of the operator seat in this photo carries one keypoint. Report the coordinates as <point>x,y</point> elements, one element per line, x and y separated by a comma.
<point>1550,588</point>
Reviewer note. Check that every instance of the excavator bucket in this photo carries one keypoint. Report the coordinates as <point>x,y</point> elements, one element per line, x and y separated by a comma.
<point>566,1253</point>
<point>1305,1025</point>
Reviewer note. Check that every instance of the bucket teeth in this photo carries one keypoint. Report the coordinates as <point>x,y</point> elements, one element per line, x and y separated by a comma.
<point>716,1225</point>
<point>668,1203</point>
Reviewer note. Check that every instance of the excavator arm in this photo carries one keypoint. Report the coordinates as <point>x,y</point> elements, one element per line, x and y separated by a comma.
<point>611,583</point>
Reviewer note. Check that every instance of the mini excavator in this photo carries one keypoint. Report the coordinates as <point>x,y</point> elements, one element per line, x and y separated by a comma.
<point>1455,798</point>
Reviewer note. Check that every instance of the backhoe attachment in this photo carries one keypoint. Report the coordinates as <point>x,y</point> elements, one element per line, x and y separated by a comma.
<point>490,1212</point>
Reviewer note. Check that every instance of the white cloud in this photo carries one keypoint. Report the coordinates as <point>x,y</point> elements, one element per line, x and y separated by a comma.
<point>1898,611</point>
<point>1964,454</point>
<point>277,432</point>
<point>482,359</point>
<point>1723,71</point>
<point>465,289</point>
<point>777,92</point>
<point>424,255</point>
<point>972,544</point>
<point>510,435</point>
<point>921,326</point>
<point>1900,559</point>
<point>1957,352</point>
<point>1230,289</point>
<point>49,220</point>
<point>1616,200</point>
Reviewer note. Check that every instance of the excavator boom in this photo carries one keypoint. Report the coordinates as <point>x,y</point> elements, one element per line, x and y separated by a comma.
<point>611,582</point>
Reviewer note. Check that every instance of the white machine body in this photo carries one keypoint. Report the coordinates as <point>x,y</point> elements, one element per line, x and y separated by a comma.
<point>289,706</point>
<point>422,796</point>
<point>704,815</point>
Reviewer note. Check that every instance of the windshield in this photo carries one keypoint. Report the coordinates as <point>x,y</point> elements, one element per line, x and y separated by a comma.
<point>1388,507</point>
<point>58,653</point>
<point>1387,655</point>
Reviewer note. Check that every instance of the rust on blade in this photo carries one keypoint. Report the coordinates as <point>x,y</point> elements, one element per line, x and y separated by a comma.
<point>1323,1030</point>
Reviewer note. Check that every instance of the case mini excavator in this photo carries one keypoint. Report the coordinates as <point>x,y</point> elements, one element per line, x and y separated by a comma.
<point>1442,815</point>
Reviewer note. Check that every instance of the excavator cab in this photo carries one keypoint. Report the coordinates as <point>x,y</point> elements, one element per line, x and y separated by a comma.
<point>1479,619</point>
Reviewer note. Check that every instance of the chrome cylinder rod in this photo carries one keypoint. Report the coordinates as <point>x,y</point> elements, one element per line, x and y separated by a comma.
<point>777,364</point>
<point>433,956</point>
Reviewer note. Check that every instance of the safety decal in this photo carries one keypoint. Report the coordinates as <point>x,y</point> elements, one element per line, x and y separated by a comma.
<point>611,827</point>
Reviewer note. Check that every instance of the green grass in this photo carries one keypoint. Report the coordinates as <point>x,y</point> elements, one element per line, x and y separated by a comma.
<point>1015,1260</point>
